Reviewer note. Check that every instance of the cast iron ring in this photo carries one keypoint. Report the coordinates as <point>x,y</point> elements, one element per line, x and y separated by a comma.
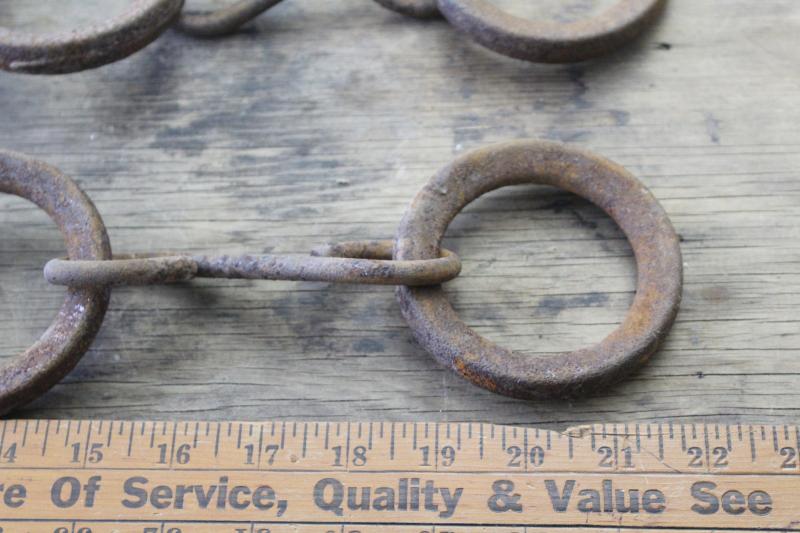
<point>60,348</point>
<point>549,42</point>
<point>144,21</point>
<point>441,332</point>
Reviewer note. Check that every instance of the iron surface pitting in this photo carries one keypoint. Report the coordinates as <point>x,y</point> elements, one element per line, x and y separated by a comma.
<point>414,261</point>
<point>63,344</point>
<point>118,38</point>
<point>655,244</point>
<point>146,20</point>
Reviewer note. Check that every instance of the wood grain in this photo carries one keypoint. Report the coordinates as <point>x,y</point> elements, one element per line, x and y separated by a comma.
<point>321,121</point>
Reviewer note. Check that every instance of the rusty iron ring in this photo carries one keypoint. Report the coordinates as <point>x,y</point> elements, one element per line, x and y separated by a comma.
<point>548,42</point>
<point>223,21</point>
<point>144,21</point>
<point>362,262</point>
<point>421,9</point>
<point>60,348</point>
<point>441,332</point>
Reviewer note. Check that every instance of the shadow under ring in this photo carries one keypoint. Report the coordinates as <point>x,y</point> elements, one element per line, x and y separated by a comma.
<point>59,349</point>
<point>421,9</point>
<point>437,327</point>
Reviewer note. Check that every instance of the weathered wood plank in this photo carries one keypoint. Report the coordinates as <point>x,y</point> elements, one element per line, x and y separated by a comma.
<point>322,121</point>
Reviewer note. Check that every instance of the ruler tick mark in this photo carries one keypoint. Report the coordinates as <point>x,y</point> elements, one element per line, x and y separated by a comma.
<point>391,443</point>
<point>480,442</point>
<point>130,439</point>
<point>174,435</point>
<point>110,433</point>
<point>728,438</point>
<point>638,439</point>
<point>260,445</point>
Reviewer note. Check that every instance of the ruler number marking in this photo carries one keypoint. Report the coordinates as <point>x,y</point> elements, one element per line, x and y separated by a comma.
<point>447,454</point>
<point>182,454</point>
<point>534,457</point>
<point>790,458</point>
<point>695,457</point>
<point>10,455</point>
<point>271,450</point>
<point>721,457</point>
<point>360,456</point>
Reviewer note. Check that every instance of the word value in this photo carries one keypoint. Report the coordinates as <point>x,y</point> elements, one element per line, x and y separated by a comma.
<point>608,499</point>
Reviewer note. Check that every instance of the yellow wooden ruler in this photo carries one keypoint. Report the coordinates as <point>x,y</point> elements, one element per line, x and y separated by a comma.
<point>320,477</point>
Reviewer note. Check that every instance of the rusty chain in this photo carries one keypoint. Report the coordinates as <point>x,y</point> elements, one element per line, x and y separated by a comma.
<point>146,20</point>
<point>368,262</point>
<point>414,260</point>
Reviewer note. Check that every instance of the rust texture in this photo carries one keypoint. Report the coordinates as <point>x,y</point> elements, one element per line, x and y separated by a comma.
<point>365,262</point>
<point>414,260</point>
<point>480,19</point>
<point>548,42</point>
<point>60,348</point>
<point>144,21</point>
<point>441,332</point>
<point>90,271</point>
<point>122,270</point>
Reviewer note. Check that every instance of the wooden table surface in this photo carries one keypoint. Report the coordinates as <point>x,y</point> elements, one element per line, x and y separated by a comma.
<point>321,121</point>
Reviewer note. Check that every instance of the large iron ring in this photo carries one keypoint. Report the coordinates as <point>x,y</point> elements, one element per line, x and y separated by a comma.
<point>441,332</point>
<point>60,348</point>
<point>144,21</point>
<point>550,42</point>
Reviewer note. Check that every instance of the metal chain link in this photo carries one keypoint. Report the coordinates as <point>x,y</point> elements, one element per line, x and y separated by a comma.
<point>414,260</point>
<point>367,262</point>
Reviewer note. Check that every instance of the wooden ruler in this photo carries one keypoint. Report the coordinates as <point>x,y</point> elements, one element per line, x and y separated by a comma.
<point>309,477</point>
